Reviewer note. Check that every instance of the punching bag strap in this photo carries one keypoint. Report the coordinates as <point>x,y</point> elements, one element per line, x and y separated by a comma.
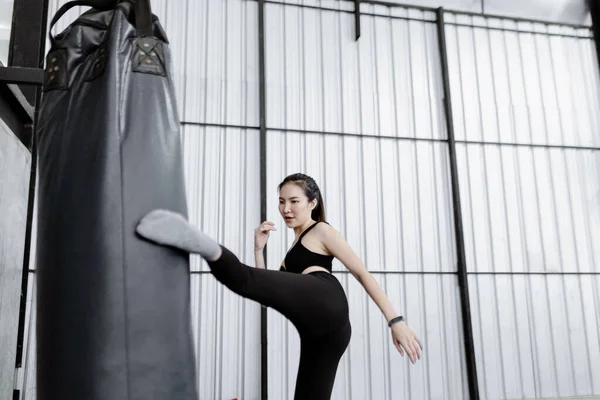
<point>102,5</point>
<point>143,19</point>
<point>143,14</point>
<point>149,57</point>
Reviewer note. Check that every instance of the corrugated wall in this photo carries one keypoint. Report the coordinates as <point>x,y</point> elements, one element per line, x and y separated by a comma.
<point>216,67</point>
<point>526,104</point>
<point>15,169</point>
<point>222,177</point>
<point>25,377</point>
<point>365,119</point>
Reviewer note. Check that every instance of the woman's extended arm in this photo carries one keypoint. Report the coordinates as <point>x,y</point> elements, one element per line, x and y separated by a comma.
<point>338,247</point>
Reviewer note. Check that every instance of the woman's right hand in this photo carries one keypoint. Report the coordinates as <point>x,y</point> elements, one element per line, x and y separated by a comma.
<point>261,235</point>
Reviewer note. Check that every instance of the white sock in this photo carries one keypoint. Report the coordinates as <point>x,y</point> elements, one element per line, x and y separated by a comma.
<point>172,229</point>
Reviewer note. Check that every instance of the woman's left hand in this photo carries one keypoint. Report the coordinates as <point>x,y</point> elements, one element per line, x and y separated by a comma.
<point>405,339</point>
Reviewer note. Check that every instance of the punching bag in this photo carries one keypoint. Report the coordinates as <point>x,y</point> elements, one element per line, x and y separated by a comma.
<point>113,310</point>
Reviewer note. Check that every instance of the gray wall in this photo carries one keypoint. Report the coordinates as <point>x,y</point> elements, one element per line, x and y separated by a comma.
<point>15,168</point>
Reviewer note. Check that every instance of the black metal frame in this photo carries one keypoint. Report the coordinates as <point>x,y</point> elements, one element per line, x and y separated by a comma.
<point>356,19</point>
<point>26,59</point>
<point>16,111</point>
<point>411,138</point>
<point>594,6</point>
<point>463,280</point>
<point>18,107</point>
<point>486,273</point>
<point>27,49</point>
<point>473,14</point>
<point>264,370</point>
<point>21,75</point>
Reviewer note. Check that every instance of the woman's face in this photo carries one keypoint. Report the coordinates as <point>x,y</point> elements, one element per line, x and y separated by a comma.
<point>294,206</point>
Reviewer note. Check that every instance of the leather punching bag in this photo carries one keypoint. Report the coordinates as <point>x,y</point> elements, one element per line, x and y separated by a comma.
<point>113,310</point>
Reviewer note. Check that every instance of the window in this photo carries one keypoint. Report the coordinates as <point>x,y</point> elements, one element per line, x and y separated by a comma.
<point>6,11</point>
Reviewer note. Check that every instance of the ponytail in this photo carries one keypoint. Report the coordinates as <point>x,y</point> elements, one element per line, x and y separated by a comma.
<point>318,213</point>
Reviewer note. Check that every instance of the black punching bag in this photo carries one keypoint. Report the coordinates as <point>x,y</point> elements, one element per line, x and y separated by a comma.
<point>113,310</point>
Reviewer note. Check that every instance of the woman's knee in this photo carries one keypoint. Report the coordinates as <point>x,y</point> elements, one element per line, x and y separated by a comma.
<point>230,271</point>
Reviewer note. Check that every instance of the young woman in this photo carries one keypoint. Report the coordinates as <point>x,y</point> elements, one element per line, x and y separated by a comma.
<point>303,290</point>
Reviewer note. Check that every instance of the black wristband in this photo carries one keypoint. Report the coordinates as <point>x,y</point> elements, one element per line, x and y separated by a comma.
<point>394,320</point>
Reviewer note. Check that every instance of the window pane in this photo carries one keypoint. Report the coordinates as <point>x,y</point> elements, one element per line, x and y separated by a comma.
<point>6,10</point>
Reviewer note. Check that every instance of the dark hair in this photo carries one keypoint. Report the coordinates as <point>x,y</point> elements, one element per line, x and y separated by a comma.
<point>311,190</point>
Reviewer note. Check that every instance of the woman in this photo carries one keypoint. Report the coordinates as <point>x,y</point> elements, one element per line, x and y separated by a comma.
<point>304,290</point>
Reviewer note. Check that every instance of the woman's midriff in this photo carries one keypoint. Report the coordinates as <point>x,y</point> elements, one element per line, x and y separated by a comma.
<point>314,269</point>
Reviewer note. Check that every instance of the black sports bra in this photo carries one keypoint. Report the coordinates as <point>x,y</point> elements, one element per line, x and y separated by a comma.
<point>299,257</point>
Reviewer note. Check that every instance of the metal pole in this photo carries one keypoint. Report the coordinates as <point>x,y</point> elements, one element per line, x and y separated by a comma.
<point>357,19</point>
<point>27,50</point>
<point>263,188</point>
<point>28,39</point>
<point>475,14</point>
<point>594,6</point>
<point>463,282</point>
<point>22,75</point>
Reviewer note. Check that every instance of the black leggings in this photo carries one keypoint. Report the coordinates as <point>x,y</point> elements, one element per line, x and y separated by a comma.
<point>315,303</point>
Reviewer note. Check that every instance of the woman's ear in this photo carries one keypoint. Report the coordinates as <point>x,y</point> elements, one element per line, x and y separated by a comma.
<point>312,205</point>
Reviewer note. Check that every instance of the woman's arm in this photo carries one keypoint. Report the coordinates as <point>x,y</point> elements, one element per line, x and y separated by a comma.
<point>261,236</point>
<point>259,259</point>
<point>339,248</point>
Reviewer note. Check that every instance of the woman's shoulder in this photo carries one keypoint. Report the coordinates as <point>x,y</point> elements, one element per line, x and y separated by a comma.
<point>324,227</point>
<point>329,237</point>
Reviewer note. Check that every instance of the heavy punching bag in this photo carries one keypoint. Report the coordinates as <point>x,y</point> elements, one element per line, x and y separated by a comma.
<point>113,310</point>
